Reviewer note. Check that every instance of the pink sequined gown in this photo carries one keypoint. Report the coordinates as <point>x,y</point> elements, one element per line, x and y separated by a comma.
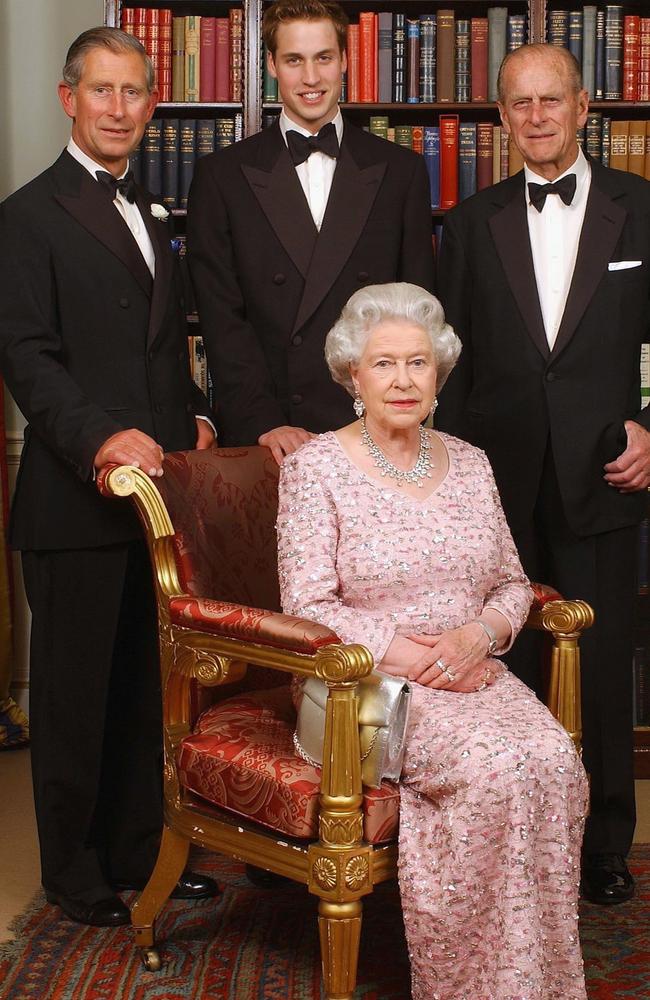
<point>493,794</point>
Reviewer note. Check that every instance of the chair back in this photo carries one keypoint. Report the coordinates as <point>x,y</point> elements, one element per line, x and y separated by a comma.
<point>223,504</point>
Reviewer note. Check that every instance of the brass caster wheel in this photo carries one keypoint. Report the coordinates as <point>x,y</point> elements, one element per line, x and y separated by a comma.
<point>151,959</point>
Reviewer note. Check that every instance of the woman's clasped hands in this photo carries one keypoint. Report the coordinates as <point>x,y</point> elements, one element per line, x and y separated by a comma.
<point>453,660</point>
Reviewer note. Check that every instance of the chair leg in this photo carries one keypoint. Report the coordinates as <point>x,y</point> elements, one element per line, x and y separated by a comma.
<point>172,858</point>
<point>339,925</point>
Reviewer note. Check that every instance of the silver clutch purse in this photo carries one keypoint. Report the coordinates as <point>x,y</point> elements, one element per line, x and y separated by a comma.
<point>384,703</point>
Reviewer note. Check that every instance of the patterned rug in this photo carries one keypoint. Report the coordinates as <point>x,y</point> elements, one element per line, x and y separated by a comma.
<point>254,944</point>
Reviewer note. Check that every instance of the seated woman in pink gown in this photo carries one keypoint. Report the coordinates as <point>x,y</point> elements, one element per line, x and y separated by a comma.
<point>394,536</point>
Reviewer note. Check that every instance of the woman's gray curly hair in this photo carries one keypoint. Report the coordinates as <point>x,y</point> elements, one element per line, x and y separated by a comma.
<point>376,304</point>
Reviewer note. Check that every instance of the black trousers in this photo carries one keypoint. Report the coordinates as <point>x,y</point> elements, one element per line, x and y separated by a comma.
<point>600,569</point>
<point>95,715</point>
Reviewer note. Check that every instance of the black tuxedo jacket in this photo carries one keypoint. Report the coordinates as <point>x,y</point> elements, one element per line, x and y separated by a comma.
<point>270,286</point>
<point>89,345</point>
<point>509,393</point>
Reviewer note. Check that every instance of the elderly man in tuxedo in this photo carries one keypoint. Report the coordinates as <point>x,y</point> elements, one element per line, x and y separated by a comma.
<point>545,277</point>
<point>93,347</point>
<point>285,226</point>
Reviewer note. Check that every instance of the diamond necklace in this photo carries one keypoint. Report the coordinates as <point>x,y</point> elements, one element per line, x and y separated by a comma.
<point>417,474</point>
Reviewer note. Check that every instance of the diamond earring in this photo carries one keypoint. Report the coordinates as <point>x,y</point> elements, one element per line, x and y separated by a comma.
<point>434,406</point>
<point>358,406</point>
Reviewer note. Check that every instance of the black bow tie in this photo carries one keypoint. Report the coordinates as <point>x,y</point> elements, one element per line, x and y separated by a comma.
<point>125,185</point>
<point>302,146</point>
<point>565,187</point>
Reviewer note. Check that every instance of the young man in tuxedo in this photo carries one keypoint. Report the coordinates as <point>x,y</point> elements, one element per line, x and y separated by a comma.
<point>284,226</point>
<point>545,278</point>
<point>93,346</point>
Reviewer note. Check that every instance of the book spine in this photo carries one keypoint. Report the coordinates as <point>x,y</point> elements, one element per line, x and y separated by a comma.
<point>404,136</point>
<point>170,159</point>
<point>192,57</point>
<point>178,59</point>
<point>427,58</point>
<point>484,151</point>
<point>589,50</point>
<point>399,58</point>
<point>607,141</point>
<point>575,34</point>
<point>186,161</point>
<point>644,60</point>
<point>385,57</point>
<point>619,144</point>
<point>636,148</point>
<point>594,135</point>
<point>269,83</point>
<point>222,61</point>
<point>516,32</point>
<point>505,154</point>
<point>600,55</point>
<point>412,60</point>
<point>497,21</point>
<point>236,17</point>
<point>644,371</point>
<point>207,61</point>
<point>515,159</point>
<point>479,49</point>
<point>378,125</point>
<point>152,157</point>
<point>127,20</point>
<point>466,160</point>
<point>204,136</point>
<point>496,154</point>
<point>224,133</point>
<point>165,54</point>
<point>558,28</point>
<point>431,152</point>
<point>631,52</point>
<point>647,153</point>
<point>353,63</point>
<point>448,160</point>
<point>417,139</point>
<point>613,52</point>
<point>152,42</point>
<point>462,82</point>
<point>239,126</point>
<point>366,57</point>
<point>445,76</point>
<point>140,25</point>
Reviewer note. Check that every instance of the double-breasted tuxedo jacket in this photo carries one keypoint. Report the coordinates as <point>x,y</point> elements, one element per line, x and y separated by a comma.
<point>270,286</point>
<point>89,345</point>
<point>509,392</point>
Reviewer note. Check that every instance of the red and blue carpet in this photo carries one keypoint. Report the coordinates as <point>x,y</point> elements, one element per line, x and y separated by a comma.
<point>258,945</point>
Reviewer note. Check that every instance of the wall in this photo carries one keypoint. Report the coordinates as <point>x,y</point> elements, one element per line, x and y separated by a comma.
<point>34,38</point>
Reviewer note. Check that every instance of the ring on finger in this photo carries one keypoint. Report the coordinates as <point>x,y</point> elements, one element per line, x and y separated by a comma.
<point>440,664</point>
<point>448,674</point>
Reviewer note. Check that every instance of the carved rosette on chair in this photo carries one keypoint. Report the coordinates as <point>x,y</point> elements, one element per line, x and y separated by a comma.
<point>211,535</point>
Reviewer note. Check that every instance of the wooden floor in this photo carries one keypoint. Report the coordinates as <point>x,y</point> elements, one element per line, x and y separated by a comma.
<point>19,863</point>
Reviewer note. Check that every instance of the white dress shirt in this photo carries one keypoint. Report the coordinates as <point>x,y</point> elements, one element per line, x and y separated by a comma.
<point>129,211</point>
<point>554,238</point>
<point>317,171</point>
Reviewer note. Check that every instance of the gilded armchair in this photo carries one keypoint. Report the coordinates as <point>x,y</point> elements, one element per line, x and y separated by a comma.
<point>232,780</point>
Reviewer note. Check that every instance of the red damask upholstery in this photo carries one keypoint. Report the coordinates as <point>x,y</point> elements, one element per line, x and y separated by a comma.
<point>241,757</point>
<point>543,594</point>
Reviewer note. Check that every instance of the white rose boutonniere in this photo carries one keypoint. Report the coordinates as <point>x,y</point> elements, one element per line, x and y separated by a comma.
<point>159,212</point>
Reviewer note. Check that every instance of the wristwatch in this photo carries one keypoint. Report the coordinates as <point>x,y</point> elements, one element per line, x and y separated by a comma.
<point>493,642</point>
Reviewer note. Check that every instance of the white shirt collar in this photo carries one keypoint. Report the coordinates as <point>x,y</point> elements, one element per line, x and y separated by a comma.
<point>90,165</point>
<point>286,123</point>
<point>580,167</point>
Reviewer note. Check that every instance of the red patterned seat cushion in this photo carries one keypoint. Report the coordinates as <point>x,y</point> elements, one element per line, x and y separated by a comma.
<point>241,757</point>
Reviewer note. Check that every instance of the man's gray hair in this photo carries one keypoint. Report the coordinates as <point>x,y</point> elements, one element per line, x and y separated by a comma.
<point>569,63</point>
<point>397,302</point>
<point>103,38</point>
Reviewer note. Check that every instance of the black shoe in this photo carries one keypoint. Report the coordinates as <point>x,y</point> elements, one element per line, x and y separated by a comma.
<point>108,912</point>
<point>189,886</point>
<point>606,879</point>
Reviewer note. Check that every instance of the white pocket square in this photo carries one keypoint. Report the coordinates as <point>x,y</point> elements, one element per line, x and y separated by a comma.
<point>622,265</point>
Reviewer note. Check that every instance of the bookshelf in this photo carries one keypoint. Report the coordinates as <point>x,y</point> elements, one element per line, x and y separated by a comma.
<point>541,16</point>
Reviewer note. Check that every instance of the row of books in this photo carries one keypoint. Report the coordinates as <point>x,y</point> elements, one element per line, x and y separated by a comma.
<point>427,59</point>
<point>623,145</point>
<point>612,48</point>
<point>199,367</point>
<point>164,161</point>
<point>195,58</point>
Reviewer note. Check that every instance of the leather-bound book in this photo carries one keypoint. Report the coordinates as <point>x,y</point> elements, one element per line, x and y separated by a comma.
<point>222,92</point>
<point>152,157</point>
<point>462,65</point>
<point>558,28</point>
<point>497,45</point>
<point>445,75</point>
<point>367,57</point>
<point>431,152</point>
<point>192,57</point>
<point>619,144</point>
<point>631,53</point>
<point>140,24</point>
<point>448,160</point>
<point>515,159</point>
<point>594,135</point>
<point>636,147</point>
<point>413,60</point>
<point>171,139</point>
<point>353,63</point>
<point>479,58</point>
<point>644,60</point>
<point>225,130</point>
<point>599,86</point>
<point>204,137</point>
<point>127,19</point>
<point>575,34</point>
<point>417,139</point>
<point>466,160</point>
<point>484,138</point>
<point>165,54</point>
<point>428,58</point>
<point>236,16</point>
<point>178,59</point>
<point>187,158</point>
<point>589,50</point>
<point>152,41</point>
<point>208,60</point>
<point>613,52</point>
<point>385,57</point>
<point>399,58</point>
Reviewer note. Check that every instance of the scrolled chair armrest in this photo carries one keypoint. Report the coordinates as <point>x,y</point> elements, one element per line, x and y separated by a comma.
<point>553,613</point>
<point>237,621</point>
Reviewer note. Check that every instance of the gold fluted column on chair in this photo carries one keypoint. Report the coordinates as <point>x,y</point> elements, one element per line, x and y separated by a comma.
<point>340,863</point>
